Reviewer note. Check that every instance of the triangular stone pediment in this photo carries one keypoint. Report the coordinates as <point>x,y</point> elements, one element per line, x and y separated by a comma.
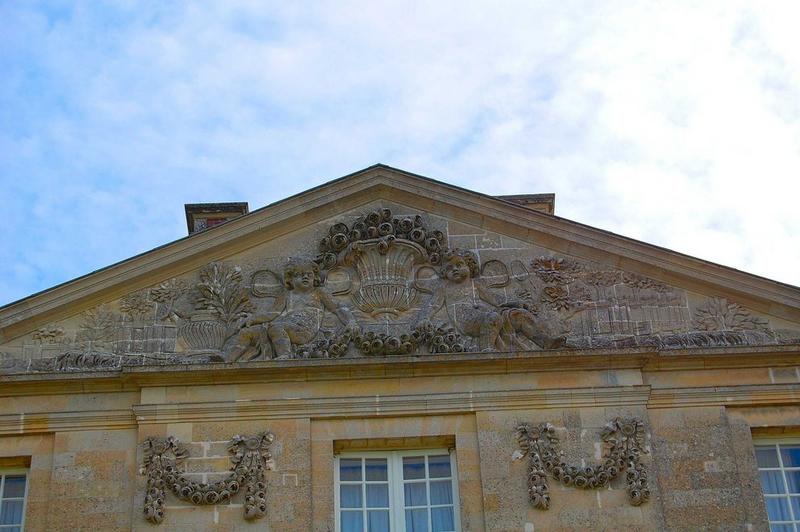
<point>386,263</point>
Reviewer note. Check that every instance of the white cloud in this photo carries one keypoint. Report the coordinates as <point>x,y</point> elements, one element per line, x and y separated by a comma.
<point>673,123</point>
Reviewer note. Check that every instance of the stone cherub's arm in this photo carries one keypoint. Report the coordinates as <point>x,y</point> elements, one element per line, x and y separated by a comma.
<point>265,316</point>
<point>487,296</point>
<point>432,306</point>
<point>341,311</point>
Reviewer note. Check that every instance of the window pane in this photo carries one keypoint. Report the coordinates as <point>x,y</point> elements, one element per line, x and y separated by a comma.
<point>781,528</point>
<point>11,513</point>
<point>766,456</point>
<point>350,496</point>
<point>772,481</point>
<point>793,479</point>
<point>417,520</point>
<point>14,486</point>
<point>378,521</point>
<point>376,468</point>
<point>778,509</point>
<point>416,494</point>
<point>352,522</point>
<point>439,466</point>
<point>377,495</point>
<point>350,469</point>
<point>790,454</point>
<point>442,492</point>
<point>795,501</point>
<point>442,520</point>
<point>413,467</point>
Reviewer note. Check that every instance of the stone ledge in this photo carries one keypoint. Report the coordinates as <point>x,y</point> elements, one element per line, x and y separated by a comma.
<point>744,395</point>
<point>392,405</point>
<point>132,378</point>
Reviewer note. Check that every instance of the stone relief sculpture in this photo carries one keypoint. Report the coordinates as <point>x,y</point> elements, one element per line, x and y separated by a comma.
<point>496,325</point>
<point>388,285</point>
<point>164,459</point>
<point>299,323</point>
<point>623,441</point>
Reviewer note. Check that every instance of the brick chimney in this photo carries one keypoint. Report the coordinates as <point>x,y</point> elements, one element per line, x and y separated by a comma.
<point>202,216</point>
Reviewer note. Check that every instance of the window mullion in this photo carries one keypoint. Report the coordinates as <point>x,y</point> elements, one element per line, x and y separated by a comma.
<point>364,519</point>
<point>399,517</point>
<point>428,492</point>
<point>787,498</point>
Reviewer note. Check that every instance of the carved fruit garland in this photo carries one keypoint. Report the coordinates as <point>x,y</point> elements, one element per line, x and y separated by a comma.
<point>624,439</point>
<point>164,458</point>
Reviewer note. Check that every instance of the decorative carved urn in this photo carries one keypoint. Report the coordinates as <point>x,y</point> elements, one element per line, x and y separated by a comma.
<point>385,269</point>
<point>203,331</point>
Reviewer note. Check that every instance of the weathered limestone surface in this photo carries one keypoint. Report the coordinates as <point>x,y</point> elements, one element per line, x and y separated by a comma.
<point>498,316</point>
<point>92,480</point>
<point>571,509</point>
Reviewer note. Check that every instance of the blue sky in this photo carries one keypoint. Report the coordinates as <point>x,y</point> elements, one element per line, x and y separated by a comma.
<point>672,123</point>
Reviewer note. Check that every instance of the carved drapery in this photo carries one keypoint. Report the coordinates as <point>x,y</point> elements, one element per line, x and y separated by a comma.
<point>163,463</point>
<point>623,440</point>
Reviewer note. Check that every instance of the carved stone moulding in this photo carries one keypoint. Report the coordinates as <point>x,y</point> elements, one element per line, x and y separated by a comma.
<point>623,440</point>
<point>163,464</point>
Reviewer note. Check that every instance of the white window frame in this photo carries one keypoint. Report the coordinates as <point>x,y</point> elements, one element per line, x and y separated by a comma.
<point>773,442</point>
<point>15,472</point>
<point>394,460</point>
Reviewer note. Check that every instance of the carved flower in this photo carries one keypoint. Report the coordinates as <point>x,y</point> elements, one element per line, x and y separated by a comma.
<point>136,304</point>
<point>627,428</point>
<point>168,291</point>
<point>49,334</point>
<point>556,297</point>
<point>640,281</point>
<point>553,269</point>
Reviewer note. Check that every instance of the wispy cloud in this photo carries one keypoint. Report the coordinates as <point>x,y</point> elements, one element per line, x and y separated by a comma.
<point>672,123</point>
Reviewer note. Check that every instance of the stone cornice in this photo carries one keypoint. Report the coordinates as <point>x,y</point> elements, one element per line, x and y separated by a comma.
<point>376,182</point>
<point>37,422</point>
<point>402,405</point>
<point>391,405</point>
<point>309,370</point>
<point>743,395</point>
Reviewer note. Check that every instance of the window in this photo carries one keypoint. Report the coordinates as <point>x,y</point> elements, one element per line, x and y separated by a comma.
<point>13,488</point>
<point>411,491</point>
<point>779,470</point>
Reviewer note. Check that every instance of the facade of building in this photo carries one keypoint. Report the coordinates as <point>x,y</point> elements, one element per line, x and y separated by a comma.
<point>388,352</point>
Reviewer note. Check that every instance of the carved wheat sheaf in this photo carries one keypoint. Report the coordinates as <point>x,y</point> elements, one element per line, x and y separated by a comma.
<point>624,442</point>
<point>163,461</point>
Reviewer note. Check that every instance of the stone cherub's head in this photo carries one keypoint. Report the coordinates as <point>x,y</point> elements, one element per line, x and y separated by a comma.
<point>301,274</point>
<point>459,265</point>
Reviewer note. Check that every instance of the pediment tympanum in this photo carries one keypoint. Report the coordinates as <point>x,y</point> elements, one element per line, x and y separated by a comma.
<point>383,281</point>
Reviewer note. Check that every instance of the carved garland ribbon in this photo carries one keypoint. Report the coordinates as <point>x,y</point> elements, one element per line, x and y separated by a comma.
<point>164,457</point>
<point>624,439</point>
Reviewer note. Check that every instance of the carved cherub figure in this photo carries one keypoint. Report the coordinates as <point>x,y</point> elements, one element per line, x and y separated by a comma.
<point>496,325</point>
<point>304,302</point>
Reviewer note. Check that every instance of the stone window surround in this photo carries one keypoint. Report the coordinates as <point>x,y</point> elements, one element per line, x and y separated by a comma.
<point>396,481</point>
<point>5,472</point>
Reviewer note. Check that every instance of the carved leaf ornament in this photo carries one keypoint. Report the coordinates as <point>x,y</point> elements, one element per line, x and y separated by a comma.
<point>624,442</point>
<point>163,462</point>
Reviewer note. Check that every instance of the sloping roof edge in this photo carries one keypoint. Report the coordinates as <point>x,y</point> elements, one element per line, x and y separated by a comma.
<point>776,298</point>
